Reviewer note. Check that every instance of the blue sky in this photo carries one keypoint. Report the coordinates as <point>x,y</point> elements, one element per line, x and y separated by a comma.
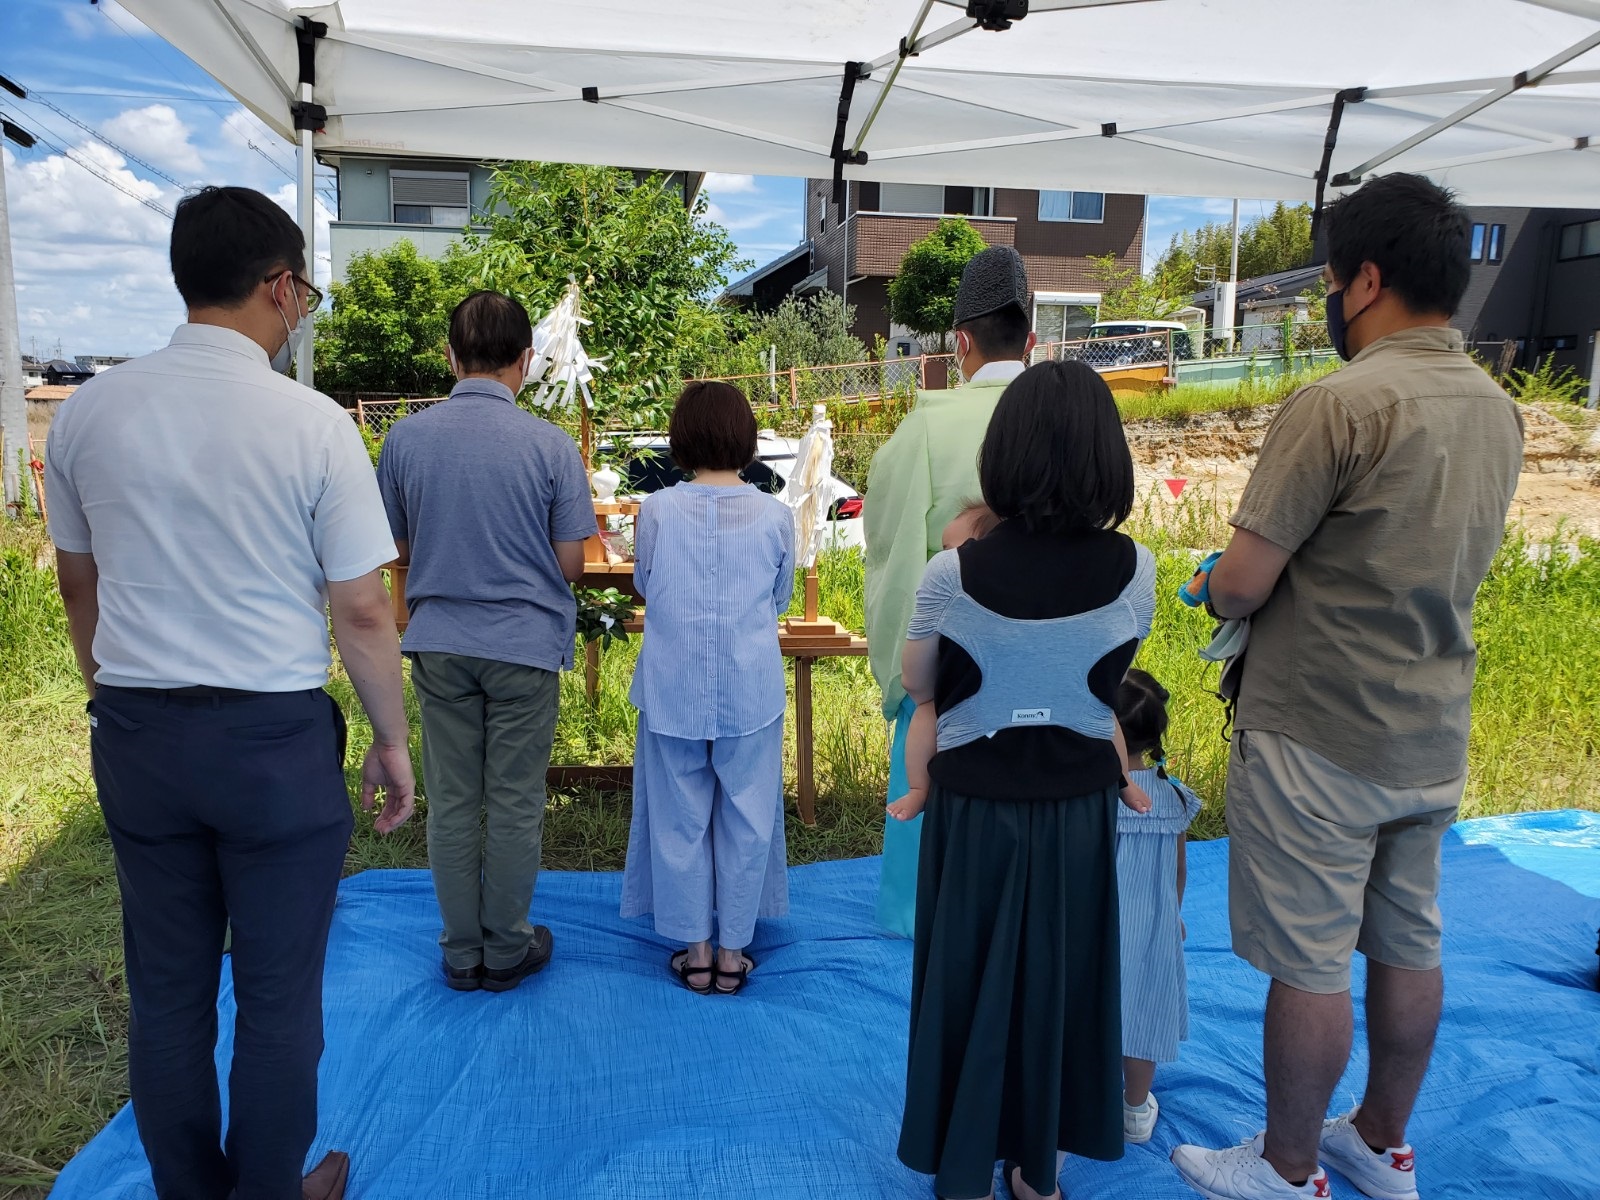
<point>130,123</point>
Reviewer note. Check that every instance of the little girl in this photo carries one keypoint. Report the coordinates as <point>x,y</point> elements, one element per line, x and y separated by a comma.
<point>715,565</point>
<point>1017,644</point>
<point>1150,879</point>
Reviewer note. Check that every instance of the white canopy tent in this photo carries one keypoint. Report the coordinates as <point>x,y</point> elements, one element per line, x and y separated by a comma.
<point>1498,99</point>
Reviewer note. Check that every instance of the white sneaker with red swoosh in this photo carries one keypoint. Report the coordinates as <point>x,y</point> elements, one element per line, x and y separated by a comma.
<point>1391,1175</point>
<point>1240,1173</point>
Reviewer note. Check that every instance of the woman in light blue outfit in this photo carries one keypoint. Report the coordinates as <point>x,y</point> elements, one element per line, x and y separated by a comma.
<point>1150,878</point>
<point>715,565</point>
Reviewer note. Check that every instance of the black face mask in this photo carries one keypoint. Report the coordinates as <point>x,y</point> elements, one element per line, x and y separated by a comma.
<point>1339,325</point>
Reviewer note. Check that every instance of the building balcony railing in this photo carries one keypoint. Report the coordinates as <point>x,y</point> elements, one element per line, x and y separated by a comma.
<point>877,241</point>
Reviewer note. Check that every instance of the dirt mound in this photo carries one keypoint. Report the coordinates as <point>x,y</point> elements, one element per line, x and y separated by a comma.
<point>1559,486</point>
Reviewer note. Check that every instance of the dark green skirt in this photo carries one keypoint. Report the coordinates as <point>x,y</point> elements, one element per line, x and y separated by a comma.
<point>1016,1010</point>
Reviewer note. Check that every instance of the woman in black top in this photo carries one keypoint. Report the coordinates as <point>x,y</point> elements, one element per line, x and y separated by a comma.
<point>1015,1047</point>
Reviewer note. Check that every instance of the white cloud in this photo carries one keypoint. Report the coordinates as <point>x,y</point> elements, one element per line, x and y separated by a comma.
<point>287,198</point>
<point>90,262</point>
<point>735,222</point>
<point>717,181</point>
<point>158,135</point>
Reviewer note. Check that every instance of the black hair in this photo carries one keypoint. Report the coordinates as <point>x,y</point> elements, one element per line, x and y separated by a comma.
<point>712,428</point>
<point>228,241</point>
<point>488,332</point>
<point>1413,231</point>
<point>999,335</point>
<point>1055,456</point>
<point>1141,708</point>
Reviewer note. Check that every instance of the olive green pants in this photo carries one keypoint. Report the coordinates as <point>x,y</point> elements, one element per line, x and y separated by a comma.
<point>486,733</point>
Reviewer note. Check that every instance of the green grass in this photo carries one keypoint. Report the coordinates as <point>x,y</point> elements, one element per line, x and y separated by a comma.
<point>1196,399</point>
<point>63,1015</point>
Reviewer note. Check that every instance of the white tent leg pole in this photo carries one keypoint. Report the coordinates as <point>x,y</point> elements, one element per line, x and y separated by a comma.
<point>308,225</point>
<point>13,400</point>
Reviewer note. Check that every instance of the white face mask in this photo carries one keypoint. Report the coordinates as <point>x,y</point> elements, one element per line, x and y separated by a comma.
<point>960,358</point>
<point>283,358</point>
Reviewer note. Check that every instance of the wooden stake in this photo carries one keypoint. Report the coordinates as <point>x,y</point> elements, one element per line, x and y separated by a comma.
<point>804,748</point>
<point>591,673</point>
<point>811,593</point>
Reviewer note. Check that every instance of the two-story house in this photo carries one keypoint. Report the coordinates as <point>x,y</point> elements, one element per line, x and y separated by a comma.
<point>430,202</point>
<point>1536,282</point>
<point>857,252</point>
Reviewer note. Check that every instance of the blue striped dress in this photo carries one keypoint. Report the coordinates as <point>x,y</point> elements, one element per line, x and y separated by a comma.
<point>1155,995</point>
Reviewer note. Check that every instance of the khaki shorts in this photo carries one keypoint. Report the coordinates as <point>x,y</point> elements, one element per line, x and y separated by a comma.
<point>1322,862</point>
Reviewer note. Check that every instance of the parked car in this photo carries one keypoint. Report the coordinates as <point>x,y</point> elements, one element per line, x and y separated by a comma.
<point>645,464</point>
<point>1129,343</point>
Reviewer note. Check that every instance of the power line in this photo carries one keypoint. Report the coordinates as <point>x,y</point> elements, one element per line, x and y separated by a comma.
<point>186,99</point>
<point>122,150</point>
<point>134,38</point>
<point>67,154</point>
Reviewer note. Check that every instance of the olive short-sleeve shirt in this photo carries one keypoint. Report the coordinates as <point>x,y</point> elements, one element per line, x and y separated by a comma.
<point>1389,483</point>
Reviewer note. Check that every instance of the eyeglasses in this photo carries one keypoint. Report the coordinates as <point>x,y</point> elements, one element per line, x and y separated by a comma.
<point>313,299</point>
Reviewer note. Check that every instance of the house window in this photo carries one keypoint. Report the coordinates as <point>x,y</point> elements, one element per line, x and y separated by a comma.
<point>431,197</point>
<point>1064,316</point>
<point>911,198</point>
<point>1497,243</point>
<point>1479,237</point>
<point>1580,241</point>
<point>969,201</point>
<point>1072,206</point>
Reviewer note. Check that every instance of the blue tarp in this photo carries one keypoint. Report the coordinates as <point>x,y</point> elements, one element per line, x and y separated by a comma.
<point>603,1078</point>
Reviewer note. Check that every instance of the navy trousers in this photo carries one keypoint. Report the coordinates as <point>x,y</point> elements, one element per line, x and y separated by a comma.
<point>227,811</point>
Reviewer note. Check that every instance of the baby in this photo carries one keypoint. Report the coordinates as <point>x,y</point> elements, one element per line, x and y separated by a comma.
<point>975,520</point>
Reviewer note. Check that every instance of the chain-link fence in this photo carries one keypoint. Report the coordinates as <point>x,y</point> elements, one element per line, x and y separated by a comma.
<point>788,395</point>
<point>375,412</point>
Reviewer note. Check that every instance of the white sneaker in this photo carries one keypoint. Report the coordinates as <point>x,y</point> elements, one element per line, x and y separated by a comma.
<point>1387,1176</point>
<point>1138,1124</point>
<point>1240,1173</point>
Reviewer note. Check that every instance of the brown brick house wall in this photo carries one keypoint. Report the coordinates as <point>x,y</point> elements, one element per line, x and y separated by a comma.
<point>1056,252</point>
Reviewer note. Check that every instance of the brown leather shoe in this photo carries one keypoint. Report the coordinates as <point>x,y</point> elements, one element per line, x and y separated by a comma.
<point>327,1178</point>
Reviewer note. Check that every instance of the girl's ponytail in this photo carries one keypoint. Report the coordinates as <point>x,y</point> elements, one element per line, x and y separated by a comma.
<point>1141,708</point>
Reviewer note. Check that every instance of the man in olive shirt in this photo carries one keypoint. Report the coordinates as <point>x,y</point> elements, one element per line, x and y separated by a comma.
<point>1379,500</point>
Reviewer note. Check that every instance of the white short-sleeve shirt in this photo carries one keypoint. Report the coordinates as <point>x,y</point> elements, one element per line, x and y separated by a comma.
<point>218,499</point>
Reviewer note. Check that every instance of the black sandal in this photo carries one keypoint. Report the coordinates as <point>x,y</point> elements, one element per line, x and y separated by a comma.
<point>741,976</point>
<point>678,964</point>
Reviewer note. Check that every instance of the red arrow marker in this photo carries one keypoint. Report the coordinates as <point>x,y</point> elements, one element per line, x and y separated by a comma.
<point>1175,486</point>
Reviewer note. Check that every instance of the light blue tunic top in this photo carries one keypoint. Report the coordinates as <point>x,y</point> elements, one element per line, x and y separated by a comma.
<point>715,566</point>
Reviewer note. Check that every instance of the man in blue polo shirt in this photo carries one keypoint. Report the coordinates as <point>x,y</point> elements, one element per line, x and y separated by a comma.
<point>490,507</point>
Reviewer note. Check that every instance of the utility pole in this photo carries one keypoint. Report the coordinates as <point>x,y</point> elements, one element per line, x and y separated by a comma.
<point>1230,290</point>
<point>13,399</point>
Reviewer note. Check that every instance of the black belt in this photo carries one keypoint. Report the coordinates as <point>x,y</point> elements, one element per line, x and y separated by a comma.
<point>211,694</point>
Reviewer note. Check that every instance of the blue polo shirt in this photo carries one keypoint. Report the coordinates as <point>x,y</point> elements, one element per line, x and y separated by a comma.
<point>480,489</point>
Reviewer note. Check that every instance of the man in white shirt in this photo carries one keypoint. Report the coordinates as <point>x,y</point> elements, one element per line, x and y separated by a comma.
<point>207,513</point>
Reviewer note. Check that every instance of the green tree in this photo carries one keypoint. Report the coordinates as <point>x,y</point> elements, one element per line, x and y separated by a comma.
<point>922,295</point>
<point>1127,294</point>
<point>1277,241</point>
<point>388,325</point>
<point>806,331</point>
<point>647,268</point>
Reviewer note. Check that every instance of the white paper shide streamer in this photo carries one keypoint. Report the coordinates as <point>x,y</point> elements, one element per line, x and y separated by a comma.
<point>560,364</point>
<point>806,492</point>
